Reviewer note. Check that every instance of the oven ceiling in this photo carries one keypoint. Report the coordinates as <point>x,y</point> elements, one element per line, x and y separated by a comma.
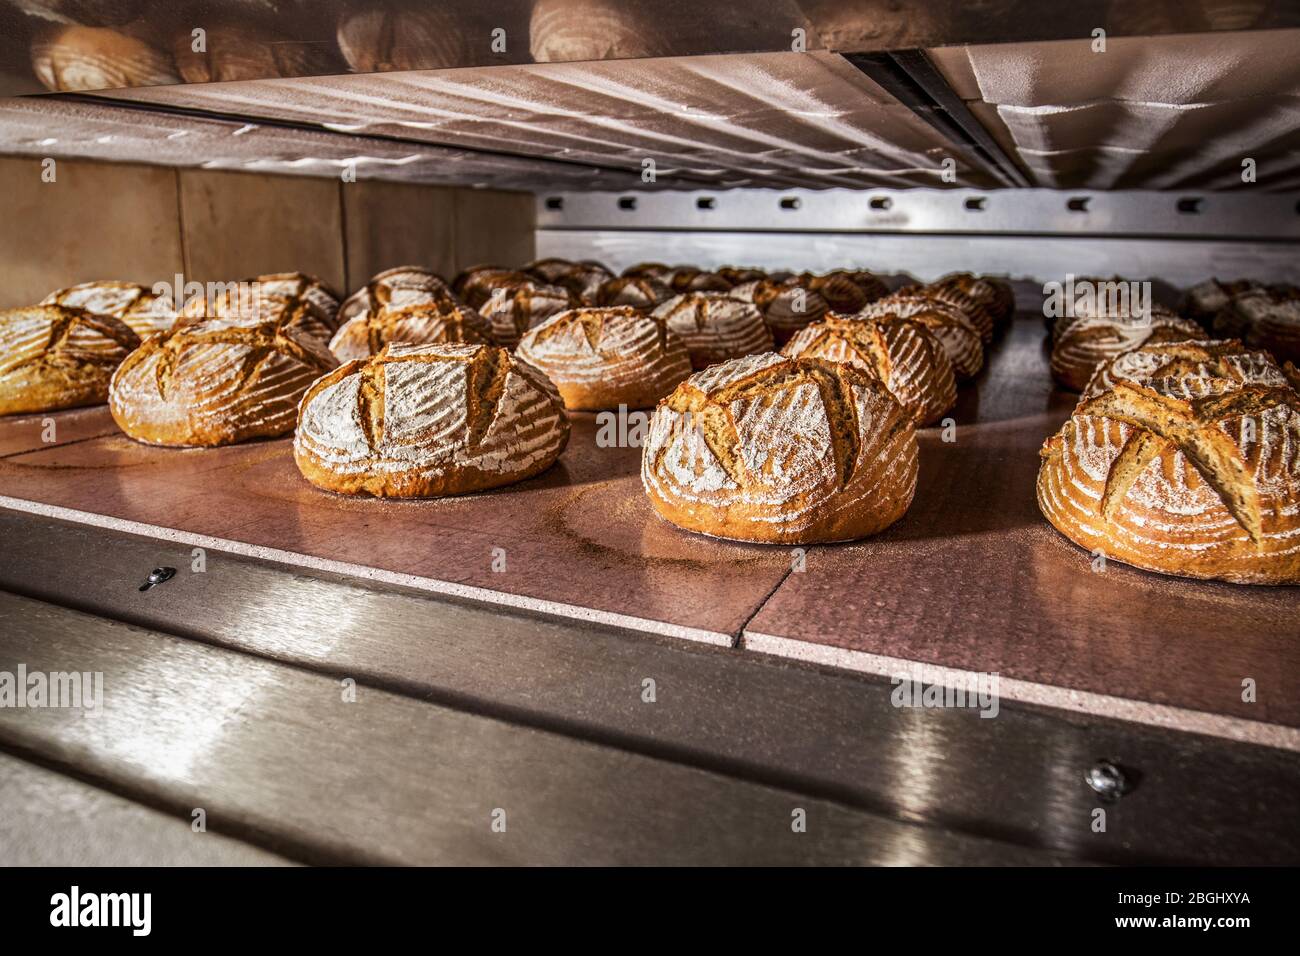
<point>1168,112</point>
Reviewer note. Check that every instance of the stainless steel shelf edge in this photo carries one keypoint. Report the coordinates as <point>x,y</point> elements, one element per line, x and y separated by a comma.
<point>1244,215</point>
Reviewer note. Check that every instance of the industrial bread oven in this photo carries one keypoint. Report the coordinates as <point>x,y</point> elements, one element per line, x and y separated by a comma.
<point>601,637</point>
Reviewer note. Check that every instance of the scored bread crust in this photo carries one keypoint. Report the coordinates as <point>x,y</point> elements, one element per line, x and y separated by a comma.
<point>519,304</point>
<point>786,305</point>
<point>582,280</point>
<point>54,357</point>
<point>950,325</point>
<point>563,31</point>
<point>293,300</point>
<point>217,381</point>
<point>395,288</point>
<point>640,292</point>
<point>902,353</point>
<point>144,310</point>
<point>1083,342</point>
<point>602,358</point>
<point>1205,300</point>
<point>845,291</point>
<point>367,333</point>
<point>715,327</point>
<point>782,450</point>
<point>427,421</point>
<point>1188,464</point>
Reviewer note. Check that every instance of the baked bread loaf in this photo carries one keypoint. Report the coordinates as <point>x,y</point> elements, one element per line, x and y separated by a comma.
<point>70,58</point>
<point>421,421</point>
<point>638,293</point>
<point>216,381</point>
<point>247,51</point>
<point>991,294</point>
<point>293,300</point>
<point>960,339</point>
<point>518,305</point>
<point>647,270</point>
<point>1268,319</point>
<point>367,334</point>
<point>582,279</point>
<point>1082,342</point>
<point>565,31</point>
<point>476,284</point>
<point>144,310</point>
<point>902,353</point>
<point>786,306</point>
<point>54,356</point>
<point>1189,464</point>
<point>715,327</point>
<point>601,358</point>
<point>842,293</point>
<point>739,275</point>
<point>1205,300</point>
<point>379,38</point>
<point>689,279</point>
<point>395,288</point>
<point>781,450</point>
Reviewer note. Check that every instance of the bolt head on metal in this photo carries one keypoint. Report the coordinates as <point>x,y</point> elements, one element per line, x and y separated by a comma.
<point>157,576</point>
<point>1106,779</point>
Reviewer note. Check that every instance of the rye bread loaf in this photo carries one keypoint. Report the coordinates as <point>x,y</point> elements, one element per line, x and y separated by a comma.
<point>429,420</point>
<point>1188,464</point>
<point>292,300</point>
<point>960,339</point>
<point>715,327</point>
<point>144,310</point>
<point>782,450</point>
<point>639,293</point>
<point>1082,342</point>
<point>367,334</point>
<point>787,306</point>
<point>56,356</point>
<point>902,353</point>
<point>522,303</point>
<point>217,381</point>
<point>395,288</point>
<point>601,358</point>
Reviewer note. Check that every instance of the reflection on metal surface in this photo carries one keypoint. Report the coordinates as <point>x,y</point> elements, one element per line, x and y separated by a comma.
<point>100,44</point>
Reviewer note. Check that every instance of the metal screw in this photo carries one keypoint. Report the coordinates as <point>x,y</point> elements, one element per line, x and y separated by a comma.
<point>1107,779</point>
<point>158,576</point>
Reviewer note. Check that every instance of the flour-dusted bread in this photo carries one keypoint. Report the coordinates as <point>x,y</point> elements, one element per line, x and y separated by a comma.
<point>986,303</point>
<point>843,292</point>
<point>581,279</point>
<point>71,57</point>
<point>960,339</point>
<point>902,353</point>
<point>366,334</point>
<point>1083,342</point>
<point>395,288</point>
<point>55,356</point>
<point>715,327</point>
<point>422,421</point>
<point>782,450</point>
<point>293,300</point>
<point>602,358</point>
<point>1205,300</point>
<point>1189,464</point>
<point>640,293</point>
<point>787,306</point>
<point>565,31</point>
<point>216,381</point>
<point>144,310</point>
<point>522,303</point>
<point>476,284</point>
<point>1269,319</point>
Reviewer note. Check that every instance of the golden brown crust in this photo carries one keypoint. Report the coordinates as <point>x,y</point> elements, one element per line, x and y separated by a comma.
<point>960,339</point>
<point>144,310</point>
<point>1188,464</point>
<point>601,358</point>
<point>786,305</point>
<point>639,293</point>
<point>902,353</point>
<point>1083,342</point>
<point>367,333</point>
<point>772,449</point>
<point>216,381</point>
<point>715,327</point>
<point>54,357</point>
<point>429,421</point>
<point>292,300</point>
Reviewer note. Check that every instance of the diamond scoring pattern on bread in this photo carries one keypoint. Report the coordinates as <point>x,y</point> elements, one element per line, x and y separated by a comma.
<point>422,421</point>
<point>769,448</point>
<point>715,326</point>
<point>1189,464</point>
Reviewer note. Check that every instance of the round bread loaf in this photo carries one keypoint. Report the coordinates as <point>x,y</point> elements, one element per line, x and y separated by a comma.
<point>1205,300</point>
<point>1270,319</point>
<point>475,284</point>
<point>902,353</point>
<point>144,310</point>
<point>639,293</point>
<point>960,339</point>
<point>1189,464</point>
<point>395,288</point>
<point>647,270</point>
<point>550,270</point>
<point>992,295</point>
<point>421,421</point>
<point>582,280</point>
<point>366,334</point>
<point>292,300</point>
<point>55,356</point>
<point>602,358</point>
<point>517,305</point>
<point>781,450</point>
<point>739,275</point>
<point>787,306</point>
<point>216,381</point>
<point>841,291</point>
<point>378,38</point>
<point>1083,342</point>
<point>71,58</point>
<point>235,50</point>
<point>566,31</point>
<point>715,327</point>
